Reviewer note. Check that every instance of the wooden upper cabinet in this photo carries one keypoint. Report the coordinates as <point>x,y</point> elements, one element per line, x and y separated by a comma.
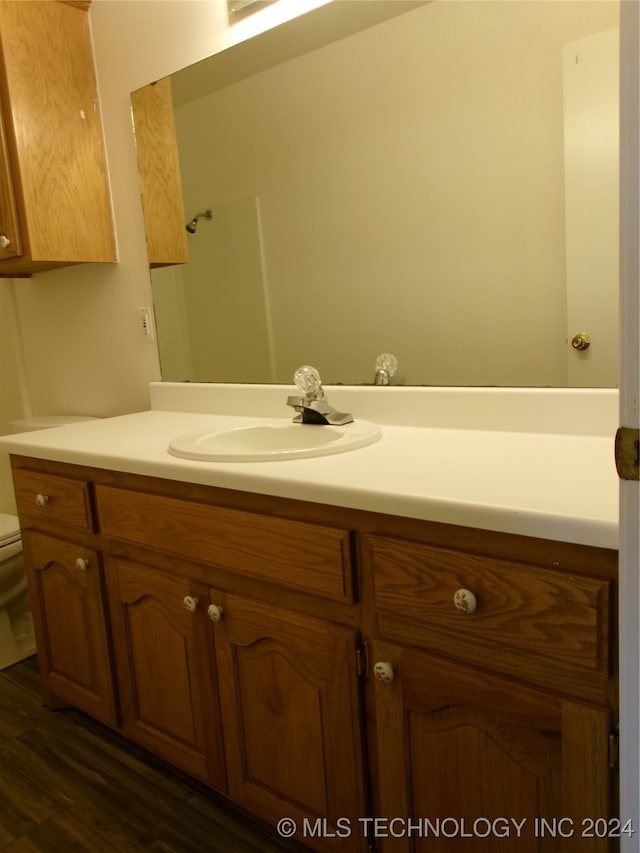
<point>55,209</point>
<point>159,167</point>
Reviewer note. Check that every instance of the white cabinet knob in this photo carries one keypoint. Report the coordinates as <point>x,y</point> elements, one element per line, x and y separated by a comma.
<point>81,564</point>
<point>383,671</point>
<point>465,601</point>
<point>42,500</point>
<point>190,603</point>
<point>214,612</point>
<point>4,241</point>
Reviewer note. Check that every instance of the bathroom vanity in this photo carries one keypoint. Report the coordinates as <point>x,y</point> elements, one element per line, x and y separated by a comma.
<point>326,661</point>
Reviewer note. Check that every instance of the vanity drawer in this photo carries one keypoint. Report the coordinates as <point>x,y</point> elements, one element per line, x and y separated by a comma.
<point>53,498</point>
<point>519,608</point>
<point>300,556</point>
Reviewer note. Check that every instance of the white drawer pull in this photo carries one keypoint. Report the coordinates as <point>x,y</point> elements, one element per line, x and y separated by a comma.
<point>81,564</point>
<point>465,601</point>
<point>42,500</point>
<point>383,671</point>
<point>214,612</point>
<point>190,603</point>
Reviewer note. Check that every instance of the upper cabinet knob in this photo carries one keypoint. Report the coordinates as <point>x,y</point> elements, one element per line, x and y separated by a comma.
<point>465,601</point>
<point>81,564</point>
<point>383,671</point>
<point>4,241</point>
<point>214,612</point>
<point>190,603</point>
<point>42,500</point>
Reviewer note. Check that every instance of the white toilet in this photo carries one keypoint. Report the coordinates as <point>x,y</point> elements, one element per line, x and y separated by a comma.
<point>16,624</point>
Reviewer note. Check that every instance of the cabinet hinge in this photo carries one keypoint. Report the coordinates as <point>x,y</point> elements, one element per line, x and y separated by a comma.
<point>627,453</point>
<point>614,749</point>
<point>361,660</point>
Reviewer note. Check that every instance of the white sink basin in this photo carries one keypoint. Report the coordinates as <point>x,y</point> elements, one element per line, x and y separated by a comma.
<point>273,440</point>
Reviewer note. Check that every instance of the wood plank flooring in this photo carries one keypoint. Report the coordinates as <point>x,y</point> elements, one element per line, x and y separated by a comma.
<point>68,783</point>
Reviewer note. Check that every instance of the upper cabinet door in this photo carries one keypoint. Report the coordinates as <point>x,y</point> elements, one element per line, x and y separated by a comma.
<point>160,182</point>
<point>10,242</point>
<point>54,154</point>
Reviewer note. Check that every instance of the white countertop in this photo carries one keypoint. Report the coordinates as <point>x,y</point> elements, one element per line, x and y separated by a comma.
<point>558,485</point>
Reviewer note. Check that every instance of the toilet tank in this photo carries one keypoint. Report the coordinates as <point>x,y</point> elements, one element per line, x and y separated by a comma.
<point>46,422</point>
<point>11,568</point>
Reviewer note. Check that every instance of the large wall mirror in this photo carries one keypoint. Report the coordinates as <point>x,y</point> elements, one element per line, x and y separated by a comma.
<point>441,185</point>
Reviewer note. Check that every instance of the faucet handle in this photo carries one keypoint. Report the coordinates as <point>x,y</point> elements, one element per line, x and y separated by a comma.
<point>307,380</point>
<point>387,362</point>
<point>386,366</point>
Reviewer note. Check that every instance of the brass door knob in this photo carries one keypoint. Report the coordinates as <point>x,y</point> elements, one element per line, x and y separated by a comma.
<point>581,341</point>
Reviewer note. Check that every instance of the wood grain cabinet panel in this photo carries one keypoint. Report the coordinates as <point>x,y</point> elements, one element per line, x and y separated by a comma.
<point>290,711</point>
<point>69,615</point>
<point>306,557</point>
<point>167,684</point>
<point>463,748</point>
<point>526,609</point>
<point>57,207</point>
<point>46,497</point>
<point>10,236</point>
<point>159,169</point>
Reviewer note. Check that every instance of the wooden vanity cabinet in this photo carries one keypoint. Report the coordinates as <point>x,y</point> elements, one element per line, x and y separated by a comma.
<point>499,710</point>
<point>309,662</point>
<point>234,599</point>
<point>65,571</point>
<point>55,205</point>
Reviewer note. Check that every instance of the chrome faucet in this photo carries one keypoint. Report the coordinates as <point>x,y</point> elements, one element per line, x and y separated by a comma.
<point>312,403</point>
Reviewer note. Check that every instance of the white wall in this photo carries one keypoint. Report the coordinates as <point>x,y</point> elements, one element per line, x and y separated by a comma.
<point>11,405</point>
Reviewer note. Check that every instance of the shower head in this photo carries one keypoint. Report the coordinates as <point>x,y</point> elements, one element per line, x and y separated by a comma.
<point>193,225</point>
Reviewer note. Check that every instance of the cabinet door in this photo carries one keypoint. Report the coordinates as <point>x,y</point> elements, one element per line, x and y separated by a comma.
<point>159,168</point>
<point>69,614</point>
<point>10,243</point>
<point>54,135</point>
<point>473,752</point>
<point>290,708</point>
<point>166,684</point>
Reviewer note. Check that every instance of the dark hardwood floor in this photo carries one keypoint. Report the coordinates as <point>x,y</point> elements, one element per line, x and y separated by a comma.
<point>68,783</point>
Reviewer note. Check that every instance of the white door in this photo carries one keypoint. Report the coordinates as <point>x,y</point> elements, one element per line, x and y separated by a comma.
<point>591,148</point>
<point>630,417</point>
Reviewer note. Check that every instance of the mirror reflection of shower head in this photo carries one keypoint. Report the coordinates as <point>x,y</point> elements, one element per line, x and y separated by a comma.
<point>193,225</point>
